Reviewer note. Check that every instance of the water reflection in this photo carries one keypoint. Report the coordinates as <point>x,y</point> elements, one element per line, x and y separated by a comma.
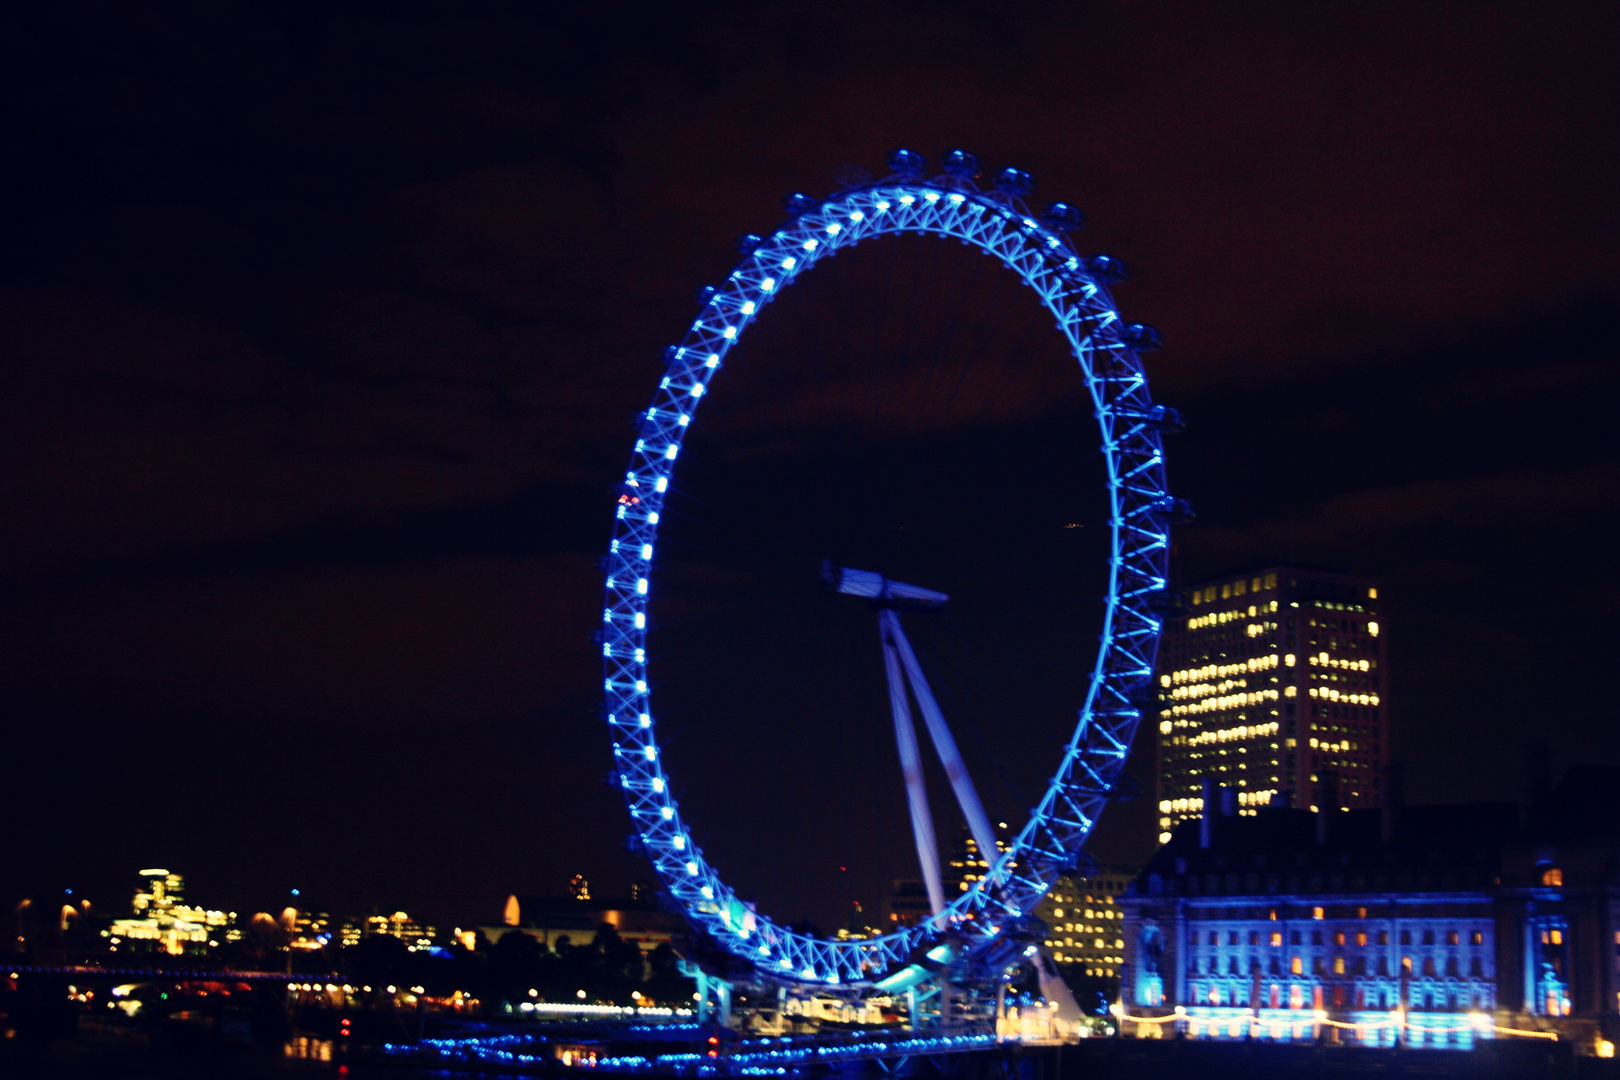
<point>304,1048</point>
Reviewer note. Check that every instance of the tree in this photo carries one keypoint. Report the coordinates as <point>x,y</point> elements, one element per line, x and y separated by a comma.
<point>518,963</point>
<point>620,967</point>
<point>665,982</point>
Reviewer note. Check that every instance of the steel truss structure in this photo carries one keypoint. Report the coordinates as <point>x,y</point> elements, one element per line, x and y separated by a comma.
<point>1131,426</point>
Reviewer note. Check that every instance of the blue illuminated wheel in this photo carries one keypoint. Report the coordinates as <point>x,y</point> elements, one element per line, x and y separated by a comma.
<point>1074,290</point>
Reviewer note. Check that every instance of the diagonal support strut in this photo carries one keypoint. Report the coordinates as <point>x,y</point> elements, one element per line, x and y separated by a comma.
<point>967,796</point>
<point>905,737</point>
<point>901,667</point>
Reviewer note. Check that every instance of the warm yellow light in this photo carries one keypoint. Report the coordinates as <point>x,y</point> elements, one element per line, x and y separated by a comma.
<point>1372,628</point>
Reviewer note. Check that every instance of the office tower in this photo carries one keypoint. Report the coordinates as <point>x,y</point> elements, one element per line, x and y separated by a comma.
<point>966,864</point>
<point>163,922</point>
<point>1085,921</point>
<point>1272,685</point>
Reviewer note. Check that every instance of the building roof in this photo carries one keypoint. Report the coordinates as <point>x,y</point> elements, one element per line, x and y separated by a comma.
<point>1286,850</point>
<point>535,906</point>
<point>1250,569</point>
<point>567,913</point>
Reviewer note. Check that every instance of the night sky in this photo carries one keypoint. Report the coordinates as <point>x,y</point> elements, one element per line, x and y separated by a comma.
<point>322,327</point>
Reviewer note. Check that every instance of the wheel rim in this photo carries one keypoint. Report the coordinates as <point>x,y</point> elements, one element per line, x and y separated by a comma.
<point>1121,676</point>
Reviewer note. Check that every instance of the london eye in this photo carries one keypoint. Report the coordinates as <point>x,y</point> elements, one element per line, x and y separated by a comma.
<point>982,926</point>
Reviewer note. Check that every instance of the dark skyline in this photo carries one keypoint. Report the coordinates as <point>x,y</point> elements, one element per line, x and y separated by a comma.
<point>323,327</point>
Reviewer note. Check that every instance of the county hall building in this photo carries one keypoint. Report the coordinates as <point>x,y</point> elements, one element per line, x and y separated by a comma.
<point>1431,925</point>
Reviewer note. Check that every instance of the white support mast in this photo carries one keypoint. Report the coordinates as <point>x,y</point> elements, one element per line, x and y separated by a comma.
<point>900,664</point>
<point>967,797</point>
<point>905,736</point>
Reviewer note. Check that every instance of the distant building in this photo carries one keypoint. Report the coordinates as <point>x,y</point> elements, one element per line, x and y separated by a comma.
<point>1436,925</point>
<point>309,931</point>
<point>906,905</point>
<point>416,936</point>
<point>578,917</point>
<point>967,864</point>
<point>855,926</point>
<point>1267,681</point>
<point>1086,922</point>
<point>162,921</point>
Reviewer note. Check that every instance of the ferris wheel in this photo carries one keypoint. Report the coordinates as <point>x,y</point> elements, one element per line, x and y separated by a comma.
<point>982,923</point>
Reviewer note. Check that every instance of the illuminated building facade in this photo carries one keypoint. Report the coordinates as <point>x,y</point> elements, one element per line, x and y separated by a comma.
<point>577,918</point>
<point>308,931</point>
<point>1271,683</point>
<point>1086,922</point>
<point>416,936</point>
<point>906,905</point>
<point>162,921</point>
<point>966,864</point>
<point>1435,925</point>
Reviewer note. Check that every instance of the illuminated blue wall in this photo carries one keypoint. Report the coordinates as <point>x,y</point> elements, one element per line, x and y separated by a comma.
<point>1347,925</point>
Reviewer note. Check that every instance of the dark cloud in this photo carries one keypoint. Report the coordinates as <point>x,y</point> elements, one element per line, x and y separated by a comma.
<point>323,326</point>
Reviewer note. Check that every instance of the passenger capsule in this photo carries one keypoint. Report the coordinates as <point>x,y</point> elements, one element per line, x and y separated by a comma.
<point>1142,337</point>
<point>961,164</point>
<point>1060,217</point>
<point>907,162</point>
<point>1015,182</point>
<point>1174,511</point>
<point>1165,420</point>
<point>1107,270</point>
